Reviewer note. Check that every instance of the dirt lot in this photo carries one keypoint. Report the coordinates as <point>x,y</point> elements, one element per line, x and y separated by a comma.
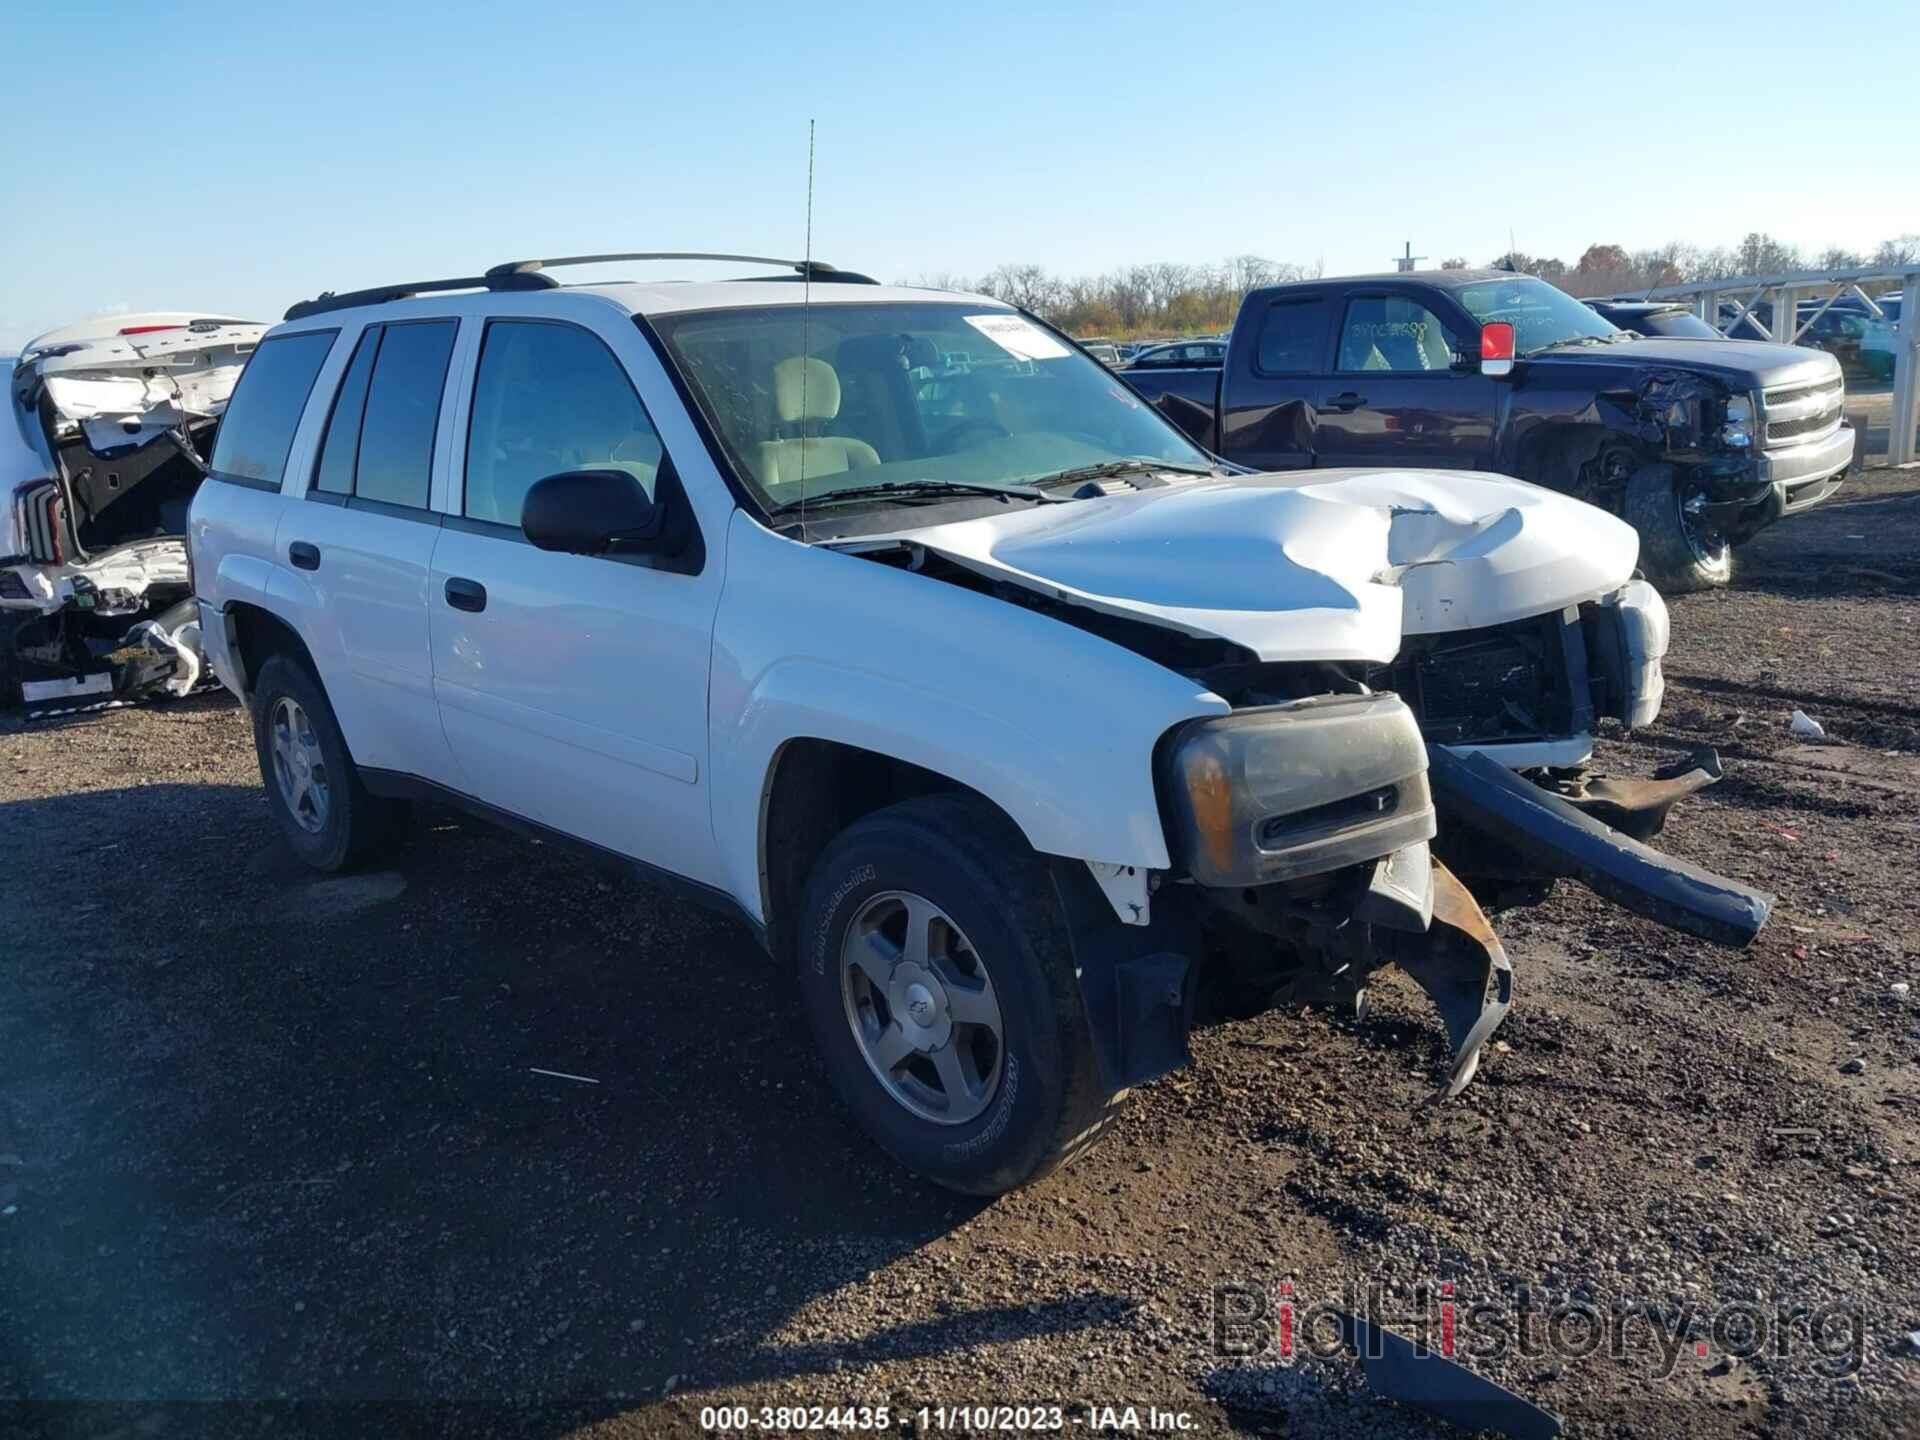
<point>277,1141</point>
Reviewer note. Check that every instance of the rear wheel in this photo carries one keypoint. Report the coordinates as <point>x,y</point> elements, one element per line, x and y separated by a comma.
<point>324,811</point>
<point>938,981</point>
<point>1676,550</point>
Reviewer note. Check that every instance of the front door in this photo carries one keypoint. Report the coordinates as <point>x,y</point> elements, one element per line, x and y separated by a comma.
<point>1406,390</point>
<point>573,688</point>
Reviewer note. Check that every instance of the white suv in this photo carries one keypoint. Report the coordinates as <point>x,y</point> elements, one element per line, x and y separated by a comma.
<point>893,623</point>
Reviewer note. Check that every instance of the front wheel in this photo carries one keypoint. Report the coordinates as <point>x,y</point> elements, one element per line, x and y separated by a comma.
<point>937,978</point>
<point>1676,551</point>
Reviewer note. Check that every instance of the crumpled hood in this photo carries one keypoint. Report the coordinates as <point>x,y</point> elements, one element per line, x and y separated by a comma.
<point>1329,565</point>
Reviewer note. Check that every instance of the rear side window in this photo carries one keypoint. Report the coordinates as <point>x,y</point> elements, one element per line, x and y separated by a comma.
<point>1291,337</point>
<point>257,431</point>
<point>550,398</point>
<point>341,444</point>
<point>402,413</point>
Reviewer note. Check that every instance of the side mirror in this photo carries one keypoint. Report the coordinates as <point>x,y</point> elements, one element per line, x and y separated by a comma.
<point>589,512</point>
<point>1496,348</point>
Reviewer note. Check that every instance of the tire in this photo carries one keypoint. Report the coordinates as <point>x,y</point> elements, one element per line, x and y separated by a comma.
<point>1673,557</point>
<point>998,943</point>
<point>334,823</point>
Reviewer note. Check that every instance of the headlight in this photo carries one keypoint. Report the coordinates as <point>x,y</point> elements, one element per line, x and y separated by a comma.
<point>1285,791</point>
<point>1739,427</point>
<point>1626,640</point>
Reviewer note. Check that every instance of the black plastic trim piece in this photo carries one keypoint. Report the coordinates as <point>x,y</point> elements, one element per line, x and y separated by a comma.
<point>396,785</point>
<point>394,512</point>
<point>245,482</point>
<point>492,529</point>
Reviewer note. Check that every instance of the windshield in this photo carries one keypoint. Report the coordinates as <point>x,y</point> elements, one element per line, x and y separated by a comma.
<point>907,392</point>
<point>1540,314</point>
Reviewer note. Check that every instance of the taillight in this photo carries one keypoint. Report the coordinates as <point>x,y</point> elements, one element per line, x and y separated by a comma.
<point>147,329</point>
<point>53,512</point>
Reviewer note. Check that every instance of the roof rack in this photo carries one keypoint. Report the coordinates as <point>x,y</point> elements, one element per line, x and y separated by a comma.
<point>529,275</point>
<point>381,294</point>
<point>812,269</point>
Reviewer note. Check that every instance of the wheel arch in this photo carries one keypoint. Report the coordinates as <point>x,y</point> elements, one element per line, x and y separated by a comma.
<point>259,633</point>
<point>813,790</point>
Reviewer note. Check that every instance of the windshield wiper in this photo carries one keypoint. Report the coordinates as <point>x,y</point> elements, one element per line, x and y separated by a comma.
<point>1573,340</point>
<point>1107,468</point>
<point>914,490</point>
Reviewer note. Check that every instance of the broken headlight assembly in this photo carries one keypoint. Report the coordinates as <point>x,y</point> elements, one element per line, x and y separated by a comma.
<point>1626,640</point>
<point>1737,430</point>
<point>1280,792</point>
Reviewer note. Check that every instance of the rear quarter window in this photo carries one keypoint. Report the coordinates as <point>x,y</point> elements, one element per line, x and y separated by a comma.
<point>257,431</point>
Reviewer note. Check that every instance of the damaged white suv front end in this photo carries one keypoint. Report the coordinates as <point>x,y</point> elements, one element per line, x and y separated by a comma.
<point>108,429</point>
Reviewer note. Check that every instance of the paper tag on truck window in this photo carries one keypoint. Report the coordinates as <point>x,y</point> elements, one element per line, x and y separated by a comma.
<point>1018,337</point>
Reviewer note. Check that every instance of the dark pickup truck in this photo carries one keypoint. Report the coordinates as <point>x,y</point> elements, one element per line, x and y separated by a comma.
<point>1699,444</point>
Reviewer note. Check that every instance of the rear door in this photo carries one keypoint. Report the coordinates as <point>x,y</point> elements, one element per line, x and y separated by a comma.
<point>360,544</point>
<point>1274,377</point>
<point>573,688</point>
<point>1406,387</point>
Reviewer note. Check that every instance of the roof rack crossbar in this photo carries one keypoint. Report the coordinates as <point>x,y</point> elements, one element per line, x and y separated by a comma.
<point>381,294</point>
<point>820,269</point>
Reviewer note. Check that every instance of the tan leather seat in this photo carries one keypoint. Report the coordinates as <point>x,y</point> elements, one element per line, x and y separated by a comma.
<point>806,391</point>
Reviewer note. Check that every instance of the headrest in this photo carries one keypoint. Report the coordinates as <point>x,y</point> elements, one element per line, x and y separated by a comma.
<point>822,386</point>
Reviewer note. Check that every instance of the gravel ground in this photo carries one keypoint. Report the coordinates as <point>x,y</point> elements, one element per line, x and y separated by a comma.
<point>274,1158</point>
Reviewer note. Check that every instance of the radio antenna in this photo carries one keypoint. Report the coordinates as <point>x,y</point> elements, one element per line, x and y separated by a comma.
<point>806,303</point>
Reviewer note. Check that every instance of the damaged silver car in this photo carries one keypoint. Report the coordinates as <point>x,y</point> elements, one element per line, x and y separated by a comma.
<point>109,428</point>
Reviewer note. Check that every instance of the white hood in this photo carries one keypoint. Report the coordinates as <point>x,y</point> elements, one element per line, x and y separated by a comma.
<point>1329,565</point>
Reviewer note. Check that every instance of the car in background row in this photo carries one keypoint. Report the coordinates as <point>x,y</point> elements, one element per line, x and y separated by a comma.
<point>108,428</point>
<point>1667,320</point>
<point>1698,444</point>
<point>1878,343</point>
<point>1105,351</point>
<point>1180,354</point>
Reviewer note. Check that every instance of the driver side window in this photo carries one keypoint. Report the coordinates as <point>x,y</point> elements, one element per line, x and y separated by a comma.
<point>550,397</point>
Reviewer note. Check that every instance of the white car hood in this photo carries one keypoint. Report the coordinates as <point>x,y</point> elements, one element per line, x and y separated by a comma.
<point>1329,565</point>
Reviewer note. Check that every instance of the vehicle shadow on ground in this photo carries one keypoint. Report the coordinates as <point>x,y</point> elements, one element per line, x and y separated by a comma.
<point>271,1137</point>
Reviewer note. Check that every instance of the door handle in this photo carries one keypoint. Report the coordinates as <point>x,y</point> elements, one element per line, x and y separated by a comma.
<point>1346,400</point>
<point>466,594</point>
<point>303,555</point>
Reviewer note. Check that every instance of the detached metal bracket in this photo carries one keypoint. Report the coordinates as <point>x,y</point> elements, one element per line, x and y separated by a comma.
<point>1125,887</point>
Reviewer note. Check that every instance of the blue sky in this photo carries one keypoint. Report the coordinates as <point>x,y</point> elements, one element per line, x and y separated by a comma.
<point>238,157</point>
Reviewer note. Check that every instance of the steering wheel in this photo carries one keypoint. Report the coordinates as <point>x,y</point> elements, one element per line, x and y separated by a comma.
<point>988,430</point>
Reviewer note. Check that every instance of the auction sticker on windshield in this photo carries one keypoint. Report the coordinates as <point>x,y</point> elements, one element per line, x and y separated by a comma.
<point>1020,338</point>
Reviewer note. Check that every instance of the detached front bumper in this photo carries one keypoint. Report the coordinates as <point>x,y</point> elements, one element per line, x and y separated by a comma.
<point>1505,823</point>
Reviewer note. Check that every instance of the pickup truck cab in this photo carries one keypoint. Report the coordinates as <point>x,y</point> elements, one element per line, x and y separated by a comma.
<point>890,623</point>
<point>1698,445</point>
